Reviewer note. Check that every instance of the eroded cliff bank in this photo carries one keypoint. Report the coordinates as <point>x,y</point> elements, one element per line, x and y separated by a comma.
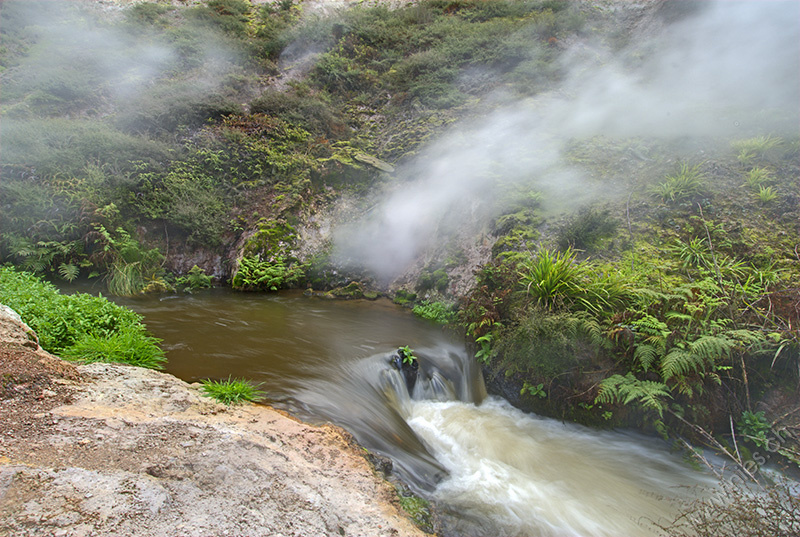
<point>107,449</point>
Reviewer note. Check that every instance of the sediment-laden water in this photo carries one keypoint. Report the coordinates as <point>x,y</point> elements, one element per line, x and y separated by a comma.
<point>491,468</point>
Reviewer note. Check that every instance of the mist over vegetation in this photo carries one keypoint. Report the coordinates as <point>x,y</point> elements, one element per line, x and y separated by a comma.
<point>722,70</point>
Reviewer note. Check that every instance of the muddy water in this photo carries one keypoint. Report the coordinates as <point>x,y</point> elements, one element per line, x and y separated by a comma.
<point>492,469</point>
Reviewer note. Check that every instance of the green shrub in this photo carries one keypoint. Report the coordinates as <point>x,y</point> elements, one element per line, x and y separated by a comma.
<point>131,267</point>
<point>310,112</point>
<point>230,16</point>
<point>79,326</point>
<point>231,391</point>
<point>146,13</point>
<point>585,230</point>
<point>257,275</point>
<point>404,296</point>
<point>435,311</point>
<point>438,279</point>
<point>754,426</point>
<point>189,195</point>
<point>196,278</point>
<point>168,106</point>
<point>545,345</point>
<point>64,147</point>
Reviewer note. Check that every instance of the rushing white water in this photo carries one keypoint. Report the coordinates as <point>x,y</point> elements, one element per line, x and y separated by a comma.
<point>492,469</point>
<point>520,474</point>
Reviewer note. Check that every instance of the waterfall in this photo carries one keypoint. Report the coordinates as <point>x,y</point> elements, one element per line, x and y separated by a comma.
<point>513,473</point>
<point>491,469</point>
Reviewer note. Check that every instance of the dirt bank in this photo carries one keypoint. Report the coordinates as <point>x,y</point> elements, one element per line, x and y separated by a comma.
<point>106,449</point>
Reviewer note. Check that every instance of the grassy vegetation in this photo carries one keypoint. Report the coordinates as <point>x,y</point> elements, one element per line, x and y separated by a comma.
<point>418,509</point>
<point>136,144</point>
<point>231,391</point>
<point>80,326</point>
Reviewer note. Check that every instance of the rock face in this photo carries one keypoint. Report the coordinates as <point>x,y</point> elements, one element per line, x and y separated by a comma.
<point>108,449</point>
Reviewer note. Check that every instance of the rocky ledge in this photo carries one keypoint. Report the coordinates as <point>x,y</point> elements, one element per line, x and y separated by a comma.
<point>107,449</point>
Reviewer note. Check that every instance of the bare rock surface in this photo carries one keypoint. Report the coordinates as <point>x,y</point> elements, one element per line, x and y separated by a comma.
<point>108,449</point>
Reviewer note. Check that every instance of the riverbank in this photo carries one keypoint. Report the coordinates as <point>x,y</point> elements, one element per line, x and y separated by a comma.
<point>102,449</point>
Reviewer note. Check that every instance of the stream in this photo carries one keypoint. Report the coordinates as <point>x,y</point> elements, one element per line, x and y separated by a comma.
<point>491,468</point>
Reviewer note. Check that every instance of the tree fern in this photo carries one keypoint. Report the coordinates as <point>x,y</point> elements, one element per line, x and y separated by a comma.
<point>649,394</point>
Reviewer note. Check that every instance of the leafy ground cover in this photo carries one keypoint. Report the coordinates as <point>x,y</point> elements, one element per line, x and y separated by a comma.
<point>80,326</point>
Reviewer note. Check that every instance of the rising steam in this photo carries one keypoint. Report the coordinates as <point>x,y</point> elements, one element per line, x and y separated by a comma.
<point>727,69</point>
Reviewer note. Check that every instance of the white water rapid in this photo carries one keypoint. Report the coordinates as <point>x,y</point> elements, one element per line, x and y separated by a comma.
<point>519,474</point>
<point>491,469</point>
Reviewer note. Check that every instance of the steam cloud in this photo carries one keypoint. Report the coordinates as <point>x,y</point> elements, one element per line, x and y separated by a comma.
<point>81,57</point>
<point>717,72</point>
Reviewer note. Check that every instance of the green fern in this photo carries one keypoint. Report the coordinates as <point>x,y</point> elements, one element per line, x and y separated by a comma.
<point>679,362</point>
<point>649,394</point>
<point>652,331</point>
<point>747,339</point>
<point>712,348</point>
<point>647,356</point>
<point>586,325</point>
<point>699,356</point>
<point>68,271</point>
<point>679,317</point>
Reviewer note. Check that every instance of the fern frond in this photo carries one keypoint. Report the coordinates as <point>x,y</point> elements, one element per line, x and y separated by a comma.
<point>676,315</point>
<point>747,338</point>
<point>609,388</point>
<point>68,271</point>
<point>648,295</point>
<point>698,357</point>
<point>649,326</point>
<point>647,355</point>
<point>678,363</point>
<point>593,330</point>
<point>710,349</point>
<point>649,394</point>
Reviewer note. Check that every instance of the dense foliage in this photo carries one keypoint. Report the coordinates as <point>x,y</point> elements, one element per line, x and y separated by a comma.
<point>161,134</point>
<point>683,317</point>
<point>80,326</point>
